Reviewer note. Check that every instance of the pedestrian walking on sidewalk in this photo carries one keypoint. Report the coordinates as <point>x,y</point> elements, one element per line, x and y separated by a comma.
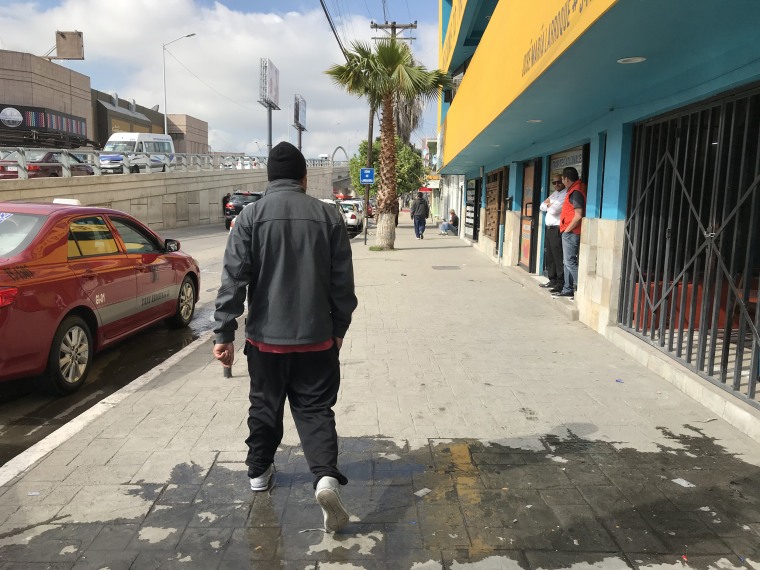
<point>420,211</point>
<point>291,252</point>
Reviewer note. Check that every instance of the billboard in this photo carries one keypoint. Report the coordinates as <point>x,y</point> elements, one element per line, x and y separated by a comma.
<point>69,45</point>
<point>269,87</point>
<point>299,113</point>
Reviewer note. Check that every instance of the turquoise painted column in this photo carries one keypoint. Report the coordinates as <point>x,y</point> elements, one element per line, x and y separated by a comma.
<point>595,172</point>
<point>617,173</point>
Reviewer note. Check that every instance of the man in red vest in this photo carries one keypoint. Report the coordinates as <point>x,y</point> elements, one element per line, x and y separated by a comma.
<point>570,220</point>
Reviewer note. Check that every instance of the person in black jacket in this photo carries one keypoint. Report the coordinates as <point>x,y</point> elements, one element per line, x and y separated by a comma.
<point>292,254</point>
<point>452,225</point>
<point>419,212</point>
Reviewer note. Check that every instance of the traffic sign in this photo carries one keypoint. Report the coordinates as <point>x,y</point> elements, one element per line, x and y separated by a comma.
<point>367,175</point>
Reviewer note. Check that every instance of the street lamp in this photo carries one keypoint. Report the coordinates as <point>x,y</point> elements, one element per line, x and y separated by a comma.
<point>166,123</point>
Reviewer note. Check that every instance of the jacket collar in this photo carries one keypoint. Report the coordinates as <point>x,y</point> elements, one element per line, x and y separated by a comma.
<point>284,185</point>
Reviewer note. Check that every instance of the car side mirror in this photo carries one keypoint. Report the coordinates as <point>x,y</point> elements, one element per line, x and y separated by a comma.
<point>171,245</point>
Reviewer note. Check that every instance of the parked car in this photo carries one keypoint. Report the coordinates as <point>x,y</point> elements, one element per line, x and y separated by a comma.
<point>42,164</point>
<point>352,216</point>
<point>337,206</point>
<point>370,210</point>
<point>237,202</point>
<point>359,210</point>
<point>75,280</point>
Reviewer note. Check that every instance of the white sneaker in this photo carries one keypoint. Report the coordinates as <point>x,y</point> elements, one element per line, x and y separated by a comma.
<point>335,514</point>
<point>261,483</point>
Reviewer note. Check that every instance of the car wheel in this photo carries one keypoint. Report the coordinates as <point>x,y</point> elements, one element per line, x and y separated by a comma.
<point>70,355</point>
<point>163,168</point>
<point>185,304</point>
<point>134,170</point>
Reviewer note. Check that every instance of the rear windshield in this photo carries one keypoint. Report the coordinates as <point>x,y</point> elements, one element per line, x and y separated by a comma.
<point>31,155</point>
<point>17,231</point>
<point>244,198</point>
<point>119,146</point>
<point>348,207</point>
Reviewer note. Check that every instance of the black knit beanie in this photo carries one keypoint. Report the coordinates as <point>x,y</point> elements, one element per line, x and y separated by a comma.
<point>285,161</point>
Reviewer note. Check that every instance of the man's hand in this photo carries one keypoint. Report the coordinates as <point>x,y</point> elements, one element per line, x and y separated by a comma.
<point>338,342</point>
<point>225,353</point>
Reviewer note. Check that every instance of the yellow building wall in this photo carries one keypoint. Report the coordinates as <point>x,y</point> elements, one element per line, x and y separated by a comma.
<point>523,39</point>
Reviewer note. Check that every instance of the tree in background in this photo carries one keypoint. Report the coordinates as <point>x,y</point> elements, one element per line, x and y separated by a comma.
<point>387,75</point>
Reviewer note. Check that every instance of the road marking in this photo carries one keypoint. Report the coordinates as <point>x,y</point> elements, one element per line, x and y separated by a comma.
<point>28,458</point>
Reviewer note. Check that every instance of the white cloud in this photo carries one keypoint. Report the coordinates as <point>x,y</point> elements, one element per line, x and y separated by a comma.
<point>123,53</point>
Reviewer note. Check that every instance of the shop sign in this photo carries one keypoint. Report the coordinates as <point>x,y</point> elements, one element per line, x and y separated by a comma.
<point>11,117</point>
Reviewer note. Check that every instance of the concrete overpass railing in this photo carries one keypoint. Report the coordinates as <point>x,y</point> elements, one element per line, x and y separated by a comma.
<point>163,200</point>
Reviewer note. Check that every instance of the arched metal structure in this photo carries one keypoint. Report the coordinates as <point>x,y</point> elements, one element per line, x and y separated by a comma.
<point>337,148</point>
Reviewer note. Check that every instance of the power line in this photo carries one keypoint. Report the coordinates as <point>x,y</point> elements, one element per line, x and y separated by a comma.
<point>207,85</point>
<point>332,27</point>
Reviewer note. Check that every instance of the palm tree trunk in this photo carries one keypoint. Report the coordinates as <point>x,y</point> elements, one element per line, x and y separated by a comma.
<point>387,202</point>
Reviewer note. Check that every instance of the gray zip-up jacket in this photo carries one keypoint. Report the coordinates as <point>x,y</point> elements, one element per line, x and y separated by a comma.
<point>292,253</point>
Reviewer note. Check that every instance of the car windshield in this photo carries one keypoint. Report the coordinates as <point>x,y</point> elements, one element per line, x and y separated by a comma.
<point>31,156</point>
<point>348,207</point>
<point>119,146</point>
<point>17,231</point>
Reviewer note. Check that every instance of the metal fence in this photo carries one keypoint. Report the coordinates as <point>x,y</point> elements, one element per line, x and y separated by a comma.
<point>66,162</point>
<point>691,265</point>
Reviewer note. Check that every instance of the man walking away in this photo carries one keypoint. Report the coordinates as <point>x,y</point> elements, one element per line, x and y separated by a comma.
<point>570,221</point>
<point>292,253</point>
<point>553,261</point>
<point>419,212</point>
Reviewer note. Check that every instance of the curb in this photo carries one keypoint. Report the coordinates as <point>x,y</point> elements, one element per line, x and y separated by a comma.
<point>26,459</point>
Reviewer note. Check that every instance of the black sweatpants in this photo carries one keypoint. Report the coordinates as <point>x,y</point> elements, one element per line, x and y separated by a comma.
<point>553,255</point>
<point>310,380</point>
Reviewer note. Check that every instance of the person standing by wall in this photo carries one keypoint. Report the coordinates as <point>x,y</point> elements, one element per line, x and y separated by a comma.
<point>553,261</point>
<point>292,254</point>
<point>419,211</point>
<point>570,222</point>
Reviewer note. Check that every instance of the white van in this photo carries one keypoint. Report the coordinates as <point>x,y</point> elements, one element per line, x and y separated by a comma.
<point>145,152</point>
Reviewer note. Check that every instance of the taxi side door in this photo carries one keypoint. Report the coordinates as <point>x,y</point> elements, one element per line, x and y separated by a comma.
<point>157,288</point>
<point>104,273</point>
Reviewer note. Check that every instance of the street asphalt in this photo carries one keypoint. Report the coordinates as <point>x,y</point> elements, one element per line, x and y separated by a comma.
<point>479,429</point>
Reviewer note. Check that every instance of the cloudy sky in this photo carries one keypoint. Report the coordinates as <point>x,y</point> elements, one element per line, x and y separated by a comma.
<point>214,75</point>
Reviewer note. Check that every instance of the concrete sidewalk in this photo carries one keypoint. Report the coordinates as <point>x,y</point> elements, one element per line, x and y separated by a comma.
<point>479,429</point>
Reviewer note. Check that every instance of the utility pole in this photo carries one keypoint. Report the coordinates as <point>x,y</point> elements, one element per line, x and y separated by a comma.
<point>394,27</point>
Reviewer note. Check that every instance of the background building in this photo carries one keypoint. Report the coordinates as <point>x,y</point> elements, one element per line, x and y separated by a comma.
<point>43,104</point>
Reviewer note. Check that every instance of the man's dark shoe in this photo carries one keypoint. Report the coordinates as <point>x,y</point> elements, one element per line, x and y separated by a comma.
<point>557,289</point>
<point>570,294</point>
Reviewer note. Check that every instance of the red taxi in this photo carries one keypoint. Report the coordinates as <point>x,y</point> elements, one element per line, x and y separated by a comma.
<point>75,279</point>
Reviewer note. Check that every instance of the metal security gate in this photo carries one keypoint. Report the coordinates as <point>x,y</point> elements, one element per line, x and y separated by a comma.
<point>691,259</point>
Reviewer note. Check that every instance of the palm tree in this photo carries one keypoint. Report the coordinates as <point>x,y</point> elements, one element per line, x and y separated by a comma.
<point>385,76</point>
<point>408,116</point>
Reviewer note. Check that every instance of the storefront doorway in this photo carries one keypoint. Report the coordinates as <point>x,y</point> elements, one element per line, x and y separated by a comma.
<point>472,210</point>
<point>529,214</point>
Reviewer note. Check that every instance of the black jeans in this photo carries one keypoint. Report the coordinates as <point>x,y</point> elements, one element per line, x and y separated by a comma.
<point>310,381</point>
<point>553,255</point>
